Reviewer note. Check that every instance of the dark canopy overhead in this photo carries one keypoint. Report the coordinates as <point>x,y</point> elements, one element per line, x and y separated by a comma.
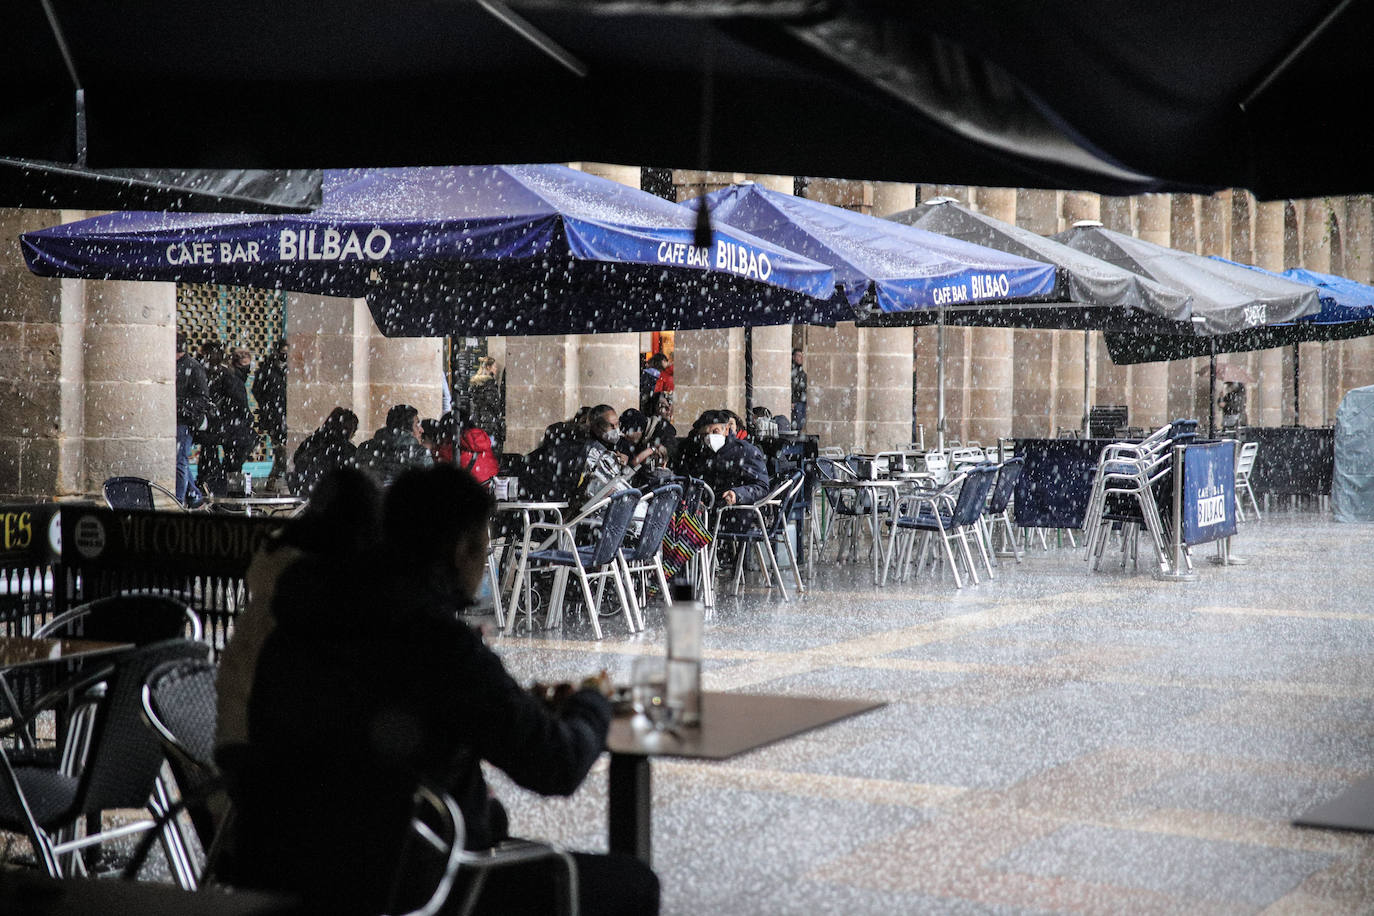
<point>29,183</point>
<point>1049,93</point>
<point>1089,293</point>
<point>1225,297</point>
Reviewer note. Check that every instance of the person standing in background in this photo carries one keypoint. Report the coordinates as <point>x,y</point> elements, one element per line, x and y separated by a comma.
<point>487,395</point>
<point>193,406</point>
<point>229,389</point>
<point>649,378</point>
<point>269,389</point>
<point>798,391</point>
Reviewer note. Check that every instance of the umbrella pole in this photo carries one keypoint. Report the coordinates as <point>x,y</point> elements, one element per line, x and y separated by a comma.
<point>748,376</point>
<point>940,381</point>
<point>1297,357</point>
<point>1212,393</point>
<point>1087,395</point>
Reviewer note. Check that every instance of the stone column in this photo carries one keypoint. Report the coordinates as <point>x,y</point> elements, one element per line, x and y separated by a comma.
<point>42,383</point>
<point>1076,346</point>
<point>1036,373</point>
<point>1358,354</point>
<point>329,363</point>
<point>402,370</point>
<point>772,345</point>
<point>891,351</point>
<point>130,414</point>
<point>541,387</point>
<point>1316,255</point>
<point>1149,382</point>
<point>1270,399</point>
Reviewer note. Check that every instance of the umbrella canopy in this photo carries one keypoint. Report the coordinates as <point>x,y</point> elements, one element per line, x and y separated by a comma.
<point>1051,93</point>
<point>1346,309</point>
<point>1226,297</point>
<point>880,264</point>
<point>503,250</point>
<point>1089,293</point>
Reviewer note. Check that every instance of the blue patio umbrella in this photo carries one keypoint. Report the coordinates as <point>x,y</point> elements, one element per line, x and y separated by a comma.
<point>500,250</point>
<point>882,266</point>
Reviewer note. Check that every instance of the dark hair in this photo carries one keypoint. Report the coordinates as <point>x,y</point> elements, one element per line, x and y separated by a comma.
<point>631,420</point>
<point>343,516</point>
<point>428,511</point>
<point>449,425</point>
<point>709,417</point>
<point>181,341</point>
<point>341,420</point>
<point>430,429</point>
<point>401,417</point>
<point>796,350</point>
<point>659,360</point>
<point>656,401</point>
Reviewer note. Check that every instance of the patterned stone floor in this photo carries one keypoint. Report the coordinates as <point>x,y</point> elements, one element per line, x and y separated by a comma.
<point>1055,740</point>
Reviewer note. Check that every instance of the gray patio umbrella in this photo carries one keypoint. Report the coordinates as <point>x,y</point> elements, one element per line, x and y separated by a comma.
<point>1089,293</point>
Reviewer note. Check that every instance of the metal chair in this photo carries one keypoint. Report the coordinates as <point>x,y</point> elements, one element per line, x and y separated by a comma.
<point>845,508</point>
<point>762,524</point>
<point>179,704</point>
<point>1128,474</point>
<point>998,511</point>
<point>121,771</point>
<point>434,847</point>
<point>646,555</point>
<point>943,514</point>
<point>135,493</point>
<point>600,560</point>
<point>1245,463</point>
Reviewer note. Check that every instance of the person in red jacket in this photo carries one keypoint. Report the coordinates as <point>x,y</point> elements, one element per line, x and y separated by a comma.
<point>475,453</point>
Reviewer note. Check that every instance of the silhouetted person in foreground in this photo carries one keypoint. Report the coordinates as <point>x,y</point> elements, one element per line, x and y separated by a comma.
<point>368,685</point>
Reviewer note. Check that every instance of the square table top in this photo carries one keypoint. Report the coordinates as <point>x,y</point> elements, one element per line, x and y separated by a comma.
<point>733,723</point>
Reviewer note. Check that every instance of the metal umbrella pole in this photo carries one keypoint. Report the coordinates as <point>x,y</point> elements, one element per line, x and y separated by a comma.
<point>1212,392</point>
<point>1087,395</point>
<point>940,380</point>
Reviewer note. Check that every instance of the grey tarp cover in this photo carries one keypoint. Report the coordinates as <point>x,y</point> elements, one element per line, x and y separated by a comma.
<point>1352,487</point>
<point>1229,297</point>
<point>1089,293</point>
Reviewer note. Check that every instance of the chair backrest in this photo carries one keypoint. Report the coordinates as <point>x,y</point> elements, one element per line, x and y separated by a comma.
<point>615,523</point>
<point>136,618</point>
<point>125,755</point>
<point>179,703</point>
<point>1245,460</point>
<point>1002,491</point>
<point>937,465</point>
<point>973,495</point>
<point>431,854</point>
<point>128,493</point>
<point>658,515</point>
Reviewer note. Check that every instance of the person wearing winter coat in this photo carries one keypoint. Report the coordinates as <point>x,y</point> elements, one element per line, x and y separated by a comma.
<point>231,427</point>
<point>193,411</point>
<point>269,390</point>
<point>395,448</point>
<point>329,447</point>
<point>475,453</point>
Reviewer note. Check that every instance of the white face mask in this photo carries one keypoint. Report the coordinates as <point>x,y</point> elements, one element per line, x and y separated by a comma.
<point>715,440</point>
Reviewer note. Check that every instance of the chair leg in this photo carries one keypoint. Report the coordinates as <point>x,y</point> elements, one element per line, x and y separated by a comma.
<point>494,576</point>
<point>173,843</point>
<point>662,581</point>
<point>792,558</point>
<point>770,566</point>
<point>593,608</point>
<point>626,598</point>
<point>554,617</point>
<point>949,555</point>
<point>962,534</point>
<point>634,607</point>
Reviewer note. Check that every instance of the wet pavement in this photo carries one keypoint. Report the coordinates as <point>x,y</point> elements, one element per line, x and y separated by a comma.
<point>1054,740</point>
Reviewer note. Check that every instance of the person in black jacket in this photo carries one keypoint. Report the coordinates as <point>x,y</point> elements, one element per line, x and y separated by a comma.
<point>193,407</point>
<point>368,685</point>
<point>234,426</point>
<point>734,468</point>
<point>327,448</point>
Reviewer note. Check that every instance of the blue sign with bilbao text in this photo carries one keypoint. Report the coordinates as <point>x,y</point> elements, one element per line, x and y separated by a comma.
<point>1209,492</point>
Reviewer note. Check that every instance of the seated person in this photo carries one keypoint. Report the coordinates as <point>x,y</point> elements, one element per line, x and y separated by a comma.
<point>660,429</point>
<point>734,468</point>
<point>395,447</point>
<point>475,452</point>
<point>605,463</point>
<point>554,469</point>
<point>327,448</point>
<point>369,685</point>
<point>647,460</point>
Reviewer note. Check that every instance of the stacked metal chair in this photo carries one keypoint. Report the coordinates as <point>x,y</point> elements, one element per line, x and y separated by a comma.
<point>1124,493</point>
<point>1245,463</point>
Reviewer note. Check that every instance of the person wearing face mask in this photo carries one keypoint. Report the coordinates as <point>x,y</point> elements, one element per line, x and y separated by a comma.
<point>605,464</point>
<point>734,468</point>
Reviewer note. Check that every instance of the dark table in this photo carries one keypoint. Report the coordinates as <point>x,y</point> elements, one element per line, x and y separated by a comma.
<point>731,724</point>
<point>1292,460</point>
